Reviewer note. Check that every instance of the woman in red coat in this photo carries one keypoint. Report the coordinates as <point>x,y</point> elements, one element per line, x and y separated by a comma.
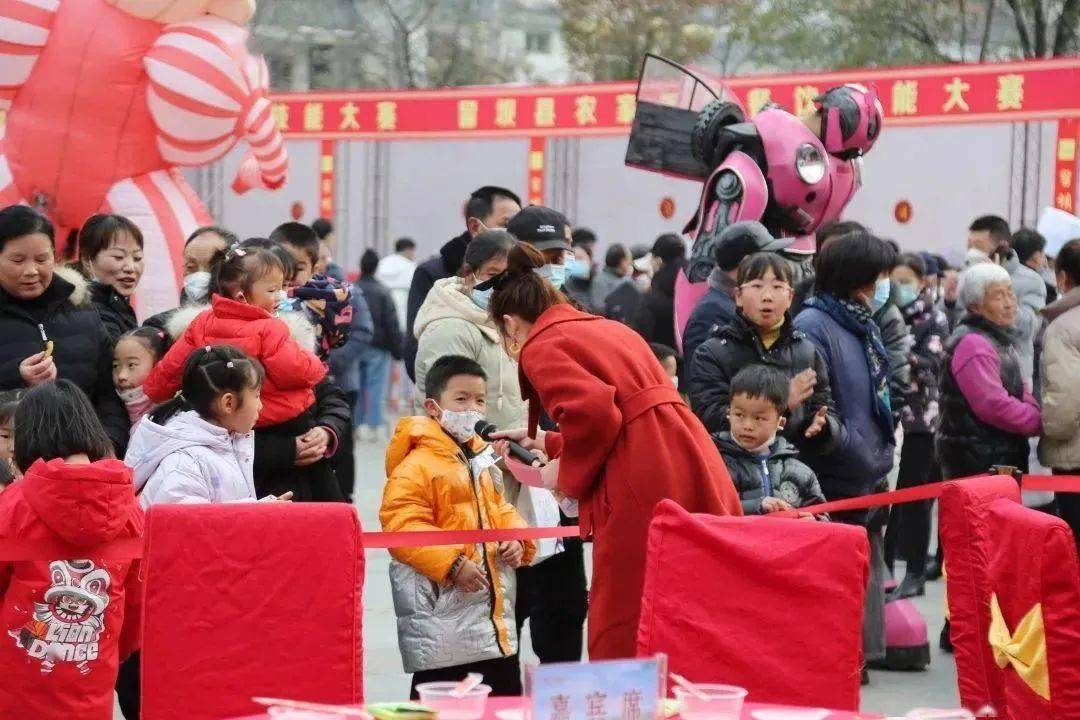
<point>626,439</point>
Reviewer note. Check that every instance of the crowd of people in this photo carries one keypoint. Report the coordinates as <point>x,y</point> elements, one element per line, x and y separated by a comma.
<point>801,382</point>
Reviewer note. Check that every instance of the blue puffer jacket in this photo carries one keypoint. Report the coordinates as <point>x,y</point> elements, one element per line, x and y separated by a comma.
<point>715,310</point>
<point>864,448</point>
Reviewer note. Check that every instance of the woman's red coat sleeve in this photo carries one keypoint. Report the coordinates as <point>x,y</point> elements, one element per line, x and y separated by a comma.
<point>584,408</point>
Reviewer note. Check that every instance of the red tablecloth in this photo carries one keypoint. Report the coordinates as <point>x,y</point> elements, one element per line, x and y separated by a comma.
<point>496,704</point>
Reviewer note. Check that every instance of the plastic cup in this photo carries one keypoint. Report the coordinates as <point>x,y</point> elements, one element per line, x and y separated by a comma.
<point>437,696</point>
<point>722,702</point>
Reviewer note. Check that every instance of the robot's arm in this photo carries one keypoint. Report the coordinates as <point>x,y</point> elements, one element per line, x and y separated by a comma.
<point>24,30</point>
<point>206,92</point>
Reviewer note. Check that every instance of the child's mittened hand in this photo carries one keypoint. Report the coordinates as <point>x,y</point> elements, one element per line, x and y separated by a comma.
<point>818,423</point>
<point>470,577</point>
<point>512,553</point>
<point>772,504</point>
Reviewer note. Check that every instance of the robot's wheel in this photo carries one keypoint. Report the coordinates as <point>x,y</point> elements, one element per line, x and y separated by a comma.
<point>714,116</point>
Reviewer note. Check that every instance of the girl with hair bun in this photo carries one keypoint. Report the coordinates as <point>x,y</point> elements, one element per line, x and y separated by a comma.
<point>626,439</point>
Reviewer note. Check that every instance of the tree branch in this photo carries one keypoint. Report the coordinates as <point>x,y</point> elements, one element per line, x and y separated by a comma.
<point>1021,27</point>
<point>1039,28</point>
<point>985,42</point>
<point>1065,38</point>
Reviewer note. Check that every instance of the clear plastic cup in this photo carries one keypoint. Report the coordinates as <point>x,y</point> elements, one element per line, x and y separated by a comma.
<point>437,696</point>
<point>722,702</point>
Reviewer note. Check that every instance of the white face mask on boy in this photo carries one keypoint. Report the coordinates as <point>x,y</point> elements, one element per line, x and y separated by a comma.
<point>461,424</point>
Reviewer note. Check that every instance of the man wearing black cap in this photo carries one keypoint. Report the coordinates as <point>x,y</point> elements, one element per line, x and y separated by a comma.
<point>548,231</point>
<point>717,307</point>
<point>487,208</point>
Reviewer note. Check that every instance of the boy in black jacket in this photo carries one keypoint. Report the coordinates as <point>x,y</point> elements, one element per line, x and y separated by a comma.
<point>762,333</point>
<point>763,466</point>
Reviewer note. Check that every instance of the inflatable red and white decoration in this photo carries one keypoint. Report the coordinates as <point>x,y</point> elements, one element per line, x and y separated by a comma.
<point>106,99</point>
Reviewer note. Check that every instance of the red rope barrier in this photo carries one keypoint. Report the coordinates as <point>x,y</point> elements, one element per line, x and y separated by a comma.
<point>127,549</point>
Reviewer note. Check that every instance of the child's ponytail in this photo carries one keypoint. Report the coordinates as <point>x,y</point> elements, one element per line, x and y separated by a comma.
<point>209,373</point>
<point>235,270</point>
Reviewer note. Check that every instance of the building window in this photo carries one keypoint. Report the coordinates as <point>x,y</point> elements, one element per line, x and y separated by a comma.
<point>321,64</point>
<point>281,70</point>
<point>538,42</point>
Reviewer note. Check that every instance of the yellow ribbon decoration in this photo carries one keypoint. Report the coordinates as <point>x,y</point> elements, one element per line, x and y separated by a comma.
<point>1024,649</point>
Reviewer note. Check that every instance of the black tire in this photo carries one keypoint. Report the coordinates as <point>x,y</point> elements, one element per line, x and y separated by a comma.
<point>714,116</point>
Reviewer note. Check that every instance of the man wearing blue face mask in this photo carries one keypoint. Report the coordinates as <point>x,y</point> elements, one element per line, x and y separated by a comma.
<point>548,231</point>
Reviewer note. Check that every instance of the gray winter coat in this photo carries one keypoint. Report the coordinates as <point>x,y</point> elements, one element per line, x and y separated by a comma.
<point>1060,373</point>
<point>1031,296</point>
<point>603,284</point>
<point>898,343</point>
<point>789,479</point>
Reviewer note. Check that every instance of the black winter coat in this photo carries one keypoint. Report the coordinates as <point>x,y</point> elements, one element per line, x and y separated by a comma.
<point>737,345</point>
<point>275,468</point>
<point>114,310</point>
<point>789,479</point>
<point>966,445</point>
<point>380,302</point>
<point>930,330</point>
<point>654,319</point>
<point>82,349</point>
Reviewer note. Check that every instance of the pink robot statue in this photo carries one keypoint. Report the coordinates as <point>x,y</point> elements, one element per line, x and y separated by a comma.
<point>106,99</point>
<point>791,173</point>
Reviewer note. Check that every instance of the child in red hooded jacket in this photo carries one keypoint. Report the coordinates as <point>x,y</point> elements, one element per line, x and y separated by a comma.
<point>66,622</point>
<point>248,287</point>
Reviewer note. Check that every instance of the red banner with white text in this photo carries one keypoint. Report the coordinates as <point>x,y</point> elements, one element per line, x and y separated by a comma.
<point>940,94</point>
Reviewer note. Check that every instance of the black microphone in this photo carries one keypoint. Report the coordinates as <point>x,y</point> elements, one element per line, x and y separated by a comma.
<point>485,430</point>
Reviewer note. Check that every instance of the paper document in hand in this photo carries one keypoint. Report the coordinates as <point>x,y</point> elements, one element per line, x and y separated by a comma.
<point>525,474</point>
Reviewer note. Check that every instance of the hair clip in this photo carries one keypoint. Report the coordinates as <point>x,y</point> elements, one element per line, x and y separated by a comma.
<point>208,348</point>
<point>230,365</point>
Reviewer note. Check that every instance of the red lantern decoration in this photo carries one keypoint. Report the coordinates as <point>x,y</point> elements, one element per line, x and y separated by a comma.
<point>297,210</point>
<point>902,212</point>
<point>667,208</point>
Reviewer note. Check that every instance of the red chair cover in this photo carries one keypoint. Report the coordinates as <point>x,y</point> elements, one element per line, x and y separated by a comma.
<point>1033,560</point>
<point>967,543</point>
<point>250,599</point>
<point>773,605</point>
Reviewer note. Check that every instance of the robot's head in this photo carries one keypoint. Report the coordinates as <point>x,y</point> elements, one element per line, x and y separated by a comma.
<point>851,117</point>
<point>173,11</point>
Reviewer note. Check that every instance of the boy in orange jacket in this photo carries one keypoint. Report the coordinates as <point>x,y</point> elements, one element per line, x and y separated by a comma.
<point>454,604</point>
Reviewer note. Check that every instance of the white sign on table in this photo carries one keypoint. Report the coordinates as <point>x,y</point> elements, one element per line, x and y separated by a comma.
<point>608,690</point>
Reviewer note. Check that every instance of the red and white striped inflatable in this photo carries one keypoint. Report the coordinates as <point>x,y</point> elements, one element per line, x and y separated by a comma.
<point>105,99</point>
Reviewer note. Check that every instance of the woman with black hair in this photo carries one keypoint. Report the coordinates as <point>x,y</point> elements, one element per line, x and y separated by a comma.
<point>853,270</point>
<point>111,256</point>
<point>48,329</point>
<point>626,439</point>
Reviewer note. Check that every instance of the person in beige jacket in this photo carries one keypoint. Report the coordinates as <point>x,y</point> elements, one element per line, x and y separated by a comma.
<point>454,320</point>
<point>1060,373</point>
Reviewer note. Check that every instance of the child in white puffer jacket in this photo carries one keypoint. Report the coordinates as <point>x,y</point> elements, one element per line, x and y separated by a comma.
<point>199,447</point>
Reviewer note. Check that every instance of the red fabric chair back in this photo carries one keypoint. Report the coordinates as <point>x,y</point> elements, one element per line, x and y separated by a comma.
<point>1033,560</point>
<point>773,605</point>
<point>967,542</point>
<point>250,599</point>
